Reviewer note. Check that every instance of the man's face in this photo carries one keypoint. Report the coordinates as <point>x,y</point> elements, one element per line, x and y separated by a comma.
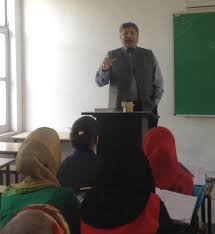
<point>129,37</point>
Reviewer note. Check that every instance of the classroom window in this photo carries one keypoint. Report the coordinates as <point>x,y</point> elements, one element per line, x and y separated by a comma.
<point>2,12</point>
<point>4,66</point>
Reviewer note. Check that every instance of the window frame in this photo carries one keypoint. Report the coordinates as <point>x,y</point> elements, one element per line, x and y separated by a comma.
<point>5,30</point>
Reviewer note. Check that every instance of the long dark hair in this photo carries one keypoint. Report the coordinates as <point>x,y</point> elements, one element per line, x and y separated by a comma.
<point>84,133</point>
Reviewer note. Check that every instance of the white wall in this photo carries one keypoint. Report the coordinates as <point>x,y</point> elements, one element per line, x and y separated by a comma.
<point>65,42</point>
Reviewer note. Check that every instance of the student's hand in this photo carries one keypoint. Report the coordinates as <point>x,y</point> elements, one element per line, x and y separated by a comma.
<point>107,63</point>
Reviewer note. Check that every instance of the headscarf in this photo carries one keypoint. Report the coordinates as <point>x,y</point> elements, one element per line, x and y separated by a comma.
<point>59,225</point>
<point>160,149</point>
<point>39,158</point>
<point>37,218</point>
<point>125,188</point>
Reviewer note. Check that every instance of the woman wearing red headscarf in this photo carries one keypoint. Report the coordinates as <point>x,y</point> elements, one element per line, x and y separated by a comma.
<point>159,148</point>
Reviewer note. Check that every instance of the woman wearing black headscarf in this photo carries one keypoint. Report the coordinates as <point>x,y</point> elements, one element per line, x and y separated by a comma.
<point>124,202</point>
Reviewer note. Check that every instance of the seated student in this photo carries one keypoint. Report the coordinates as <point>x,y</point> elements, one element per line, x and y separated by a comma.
<point>37,219</point>
<point>83,167</point>
<point>38,159</point>
<point>124,202</point>
<point>159,148</point>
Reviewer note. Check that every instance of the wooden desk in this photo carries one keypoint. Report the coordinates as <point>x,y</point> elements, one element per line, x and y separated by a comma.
<point>9,148</point>
<point>5,162</point>
<point>64,136</point>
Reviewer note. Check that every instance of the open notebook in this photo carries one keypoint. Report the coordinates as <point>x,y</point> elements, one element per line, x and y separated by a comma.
<point>179,206</point>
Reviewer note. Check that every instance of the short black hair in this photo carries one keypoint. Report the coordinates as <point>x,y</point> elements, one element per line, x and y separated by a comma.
<point>84,133</point>
<point>127,25</point>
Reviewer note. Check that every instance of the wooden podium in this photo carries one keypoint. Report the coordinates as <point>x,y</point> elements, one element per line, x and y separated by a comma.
<point>120,128</point>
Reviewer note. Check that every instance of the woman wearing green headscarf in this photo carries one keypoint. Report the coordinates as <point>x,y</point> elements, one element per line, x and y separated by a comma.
<point>38,160</point>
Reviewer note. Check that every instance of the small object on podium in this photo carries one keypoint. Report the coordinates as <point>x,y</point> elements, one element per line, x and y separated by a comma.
<point>127,107</point>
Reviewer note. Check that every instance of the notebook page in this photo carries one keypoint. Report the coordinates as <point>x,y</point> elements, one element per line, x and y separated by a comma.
<point>179,206</point>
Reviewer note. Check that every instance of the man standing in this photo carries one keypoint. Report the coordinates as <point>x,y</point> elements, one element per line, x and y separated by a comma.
<point>133,74</point>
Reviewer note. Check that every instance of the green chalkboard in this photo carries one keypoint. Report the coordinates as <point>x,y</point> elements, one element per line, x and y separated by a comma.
<point>194,62</point>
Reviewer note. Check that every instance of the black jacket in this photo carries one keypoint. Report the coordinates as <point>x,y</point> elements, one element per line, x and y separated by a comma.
<point>81,169</point>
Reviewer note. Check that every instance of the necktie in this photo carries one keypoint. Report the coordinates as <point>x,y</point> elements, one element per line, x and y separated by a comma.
<point>133,88</point>
<point>130,51</point>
